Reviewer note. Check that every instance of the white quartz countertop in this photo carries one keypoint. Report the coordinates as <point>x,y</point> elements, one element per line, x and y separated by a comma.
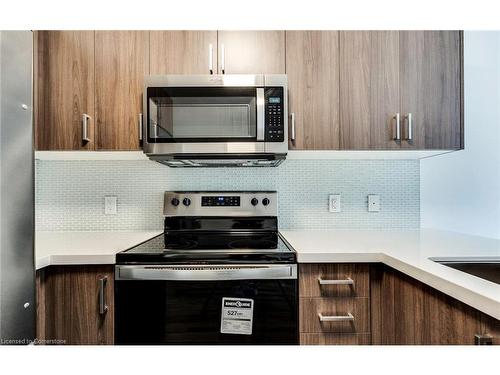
<point>408,251</point>
<point>66,248</point>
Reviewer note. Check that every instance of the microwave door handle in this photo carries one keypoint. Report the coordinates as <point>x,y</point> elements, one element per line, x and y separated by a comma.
<point>260,114</point>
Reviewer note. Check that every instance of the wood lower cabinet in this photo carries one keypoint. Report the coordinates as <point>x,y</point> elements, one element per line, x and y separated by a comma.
<point>75,305</point>
<point>183,52</point>
<point>313,89</point>
<point>334,304</point>
<point>122,61</point>
<point>251,52</point>
<point>405,311</point>
<point>64,89</point>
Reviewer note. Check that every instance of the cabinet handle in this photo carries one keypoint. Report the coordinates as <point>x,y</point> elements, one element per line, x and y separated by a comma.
<point>410,127</point>
<point>223,59</point>
<point>347,281</point>
<point>103,308</point>
<point>398,127</point>
<point>140,126</point>
<point>336,318</point>
<point>211,58</point>
<point>85,128</point>
<point>292,132</point>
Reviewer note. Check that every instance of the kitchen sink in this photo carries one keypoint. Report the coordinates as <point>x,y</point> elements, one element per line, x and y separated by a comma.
<point>485,268</point>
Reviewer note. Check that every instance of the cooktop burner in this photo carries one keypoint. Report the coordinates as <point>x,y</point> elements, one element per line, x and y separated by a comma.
<point>215,228</point>
<point>155,252</point>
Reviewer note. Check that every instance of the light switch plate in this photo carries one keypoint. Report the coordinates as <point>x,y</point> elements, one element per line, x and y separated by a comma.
<point>334,203</point>
<point>373,203</point>
<point>110,203</point>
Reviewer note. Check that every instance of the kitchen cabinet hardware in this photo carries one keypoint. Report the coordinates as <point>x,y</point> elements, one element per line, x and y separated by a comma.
<point>223,59</point>
<point>140,126</point>
<point>85,128</point>
<point>335,318</point>
<point>483,340</point>
<point>398,127</point>
<point>211,58</point>
<point>347,281</point>
<point>292,132</point>
<point>103,307</point>
<point>409,134</point>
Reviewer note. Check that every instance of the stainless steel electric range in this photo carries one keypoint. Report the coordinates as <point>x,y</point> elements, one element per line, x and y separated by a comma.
<point>219,274</point>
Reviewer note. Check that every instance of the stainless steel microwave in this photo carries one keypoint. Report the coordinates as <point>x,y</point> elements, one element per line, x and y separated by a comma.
<point>216,120</point>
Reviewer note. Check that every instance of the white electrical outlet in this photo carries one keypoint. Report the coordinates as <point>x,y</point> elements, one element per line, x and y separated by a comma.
<point>373,203</point>
<point>334,203</point>
<point>110,203</point>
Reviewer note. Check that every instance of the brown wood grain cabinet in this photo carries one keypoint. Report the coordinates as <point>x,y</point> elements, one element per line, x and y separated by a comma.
<point>407,312</point>
<point>64,89</point>
<point>122,61</point>
<point>334,304</point>
<point>416,75</point>
<point>183,52</point>
<point>312,67</point>
<point>69,309</point>
<point>369,89</point>
<point>431,89</point>
<point>251,52</point>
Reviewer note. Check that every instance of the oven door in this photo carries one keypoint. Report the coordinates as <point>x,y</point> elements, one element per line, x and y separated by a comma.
<point>252,304</point>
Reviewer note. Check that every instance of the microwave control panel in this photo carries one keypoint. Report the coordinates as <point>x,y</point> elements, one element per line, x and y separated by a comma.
<point>274,112</point>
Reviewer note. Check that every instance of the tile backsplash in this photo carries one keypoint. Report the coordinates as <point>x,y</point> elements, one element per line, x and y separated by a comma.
<point>70,194</point>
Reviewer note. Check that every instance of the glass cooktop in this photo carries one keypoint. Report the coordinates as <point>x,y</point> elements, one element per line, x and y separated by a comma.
<point>263,249</point>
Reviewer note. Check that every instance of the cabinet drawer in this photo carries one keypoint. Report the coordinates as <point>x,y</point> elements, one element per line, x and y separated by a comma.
<point>332,280</point>
<point>311,308</point>
<point>335,339</point>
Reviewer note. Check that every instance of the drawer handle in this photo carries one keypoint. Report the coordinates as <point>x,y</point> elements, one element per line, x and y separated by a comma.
<point>336,318</point>
<point>347,281</point>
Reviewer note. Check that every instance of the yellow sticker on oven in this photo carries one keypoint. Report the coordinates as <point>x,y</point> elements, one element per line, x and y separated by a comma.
<point>237,316</point>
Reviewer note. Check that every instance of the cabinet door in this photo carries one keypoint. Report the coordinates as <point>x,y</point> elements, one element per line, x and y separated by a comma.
<point>313,94</point>
<point>64,79</point>
<point>183,52</point>
<point>369,89</point>
<point>122,61</point>
<point>68,305</point>
<point>431,79</point>
<point>249,52</point>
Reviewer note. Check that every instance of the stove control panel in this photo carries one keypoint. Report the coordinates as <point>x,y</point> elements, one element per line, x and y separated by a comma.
<point>220,200</point>
<point>219,203</point>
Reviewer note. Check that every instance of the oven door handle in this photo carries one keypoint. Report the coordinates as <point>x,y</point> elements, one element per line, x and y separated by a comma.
<point>205,272</point>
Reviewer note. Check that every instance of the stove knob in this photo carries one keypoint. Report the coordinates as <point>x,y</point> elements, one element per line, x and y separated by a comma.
<point>265,201</point>
<point>186,201</point>
<point>175,202</point>
<point>254,201</point>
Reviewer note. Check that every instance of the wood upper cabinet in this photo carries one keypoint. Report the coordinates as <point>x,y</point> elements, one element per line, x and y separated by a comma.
<point>64,89</point>
<point>369,89</point>
<point>183,52</point>
<point>75,305</point>
<point>313,89</point>
<point>431,89</point>
<point>249,52</point>
<point>121,62</point>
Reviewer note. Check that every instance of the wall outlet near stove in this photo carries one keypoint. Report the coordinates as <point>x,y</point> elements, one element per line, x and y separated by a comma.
<point>110,203</point>
<point>373,203</point>
<point>334,203</point>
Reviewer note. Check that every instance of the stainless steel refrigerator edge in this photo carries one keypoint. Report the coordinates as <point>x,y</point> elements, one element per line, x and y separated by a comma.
<point>17,275</point>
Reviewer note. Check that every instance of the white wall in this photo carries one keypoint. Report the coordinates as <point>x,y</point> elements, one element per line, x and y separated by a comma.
<point>461,191</point>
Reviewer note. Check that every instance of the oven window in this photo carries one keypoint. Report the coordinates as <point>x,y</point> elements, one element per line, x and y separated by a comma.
<point>206,114</point>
